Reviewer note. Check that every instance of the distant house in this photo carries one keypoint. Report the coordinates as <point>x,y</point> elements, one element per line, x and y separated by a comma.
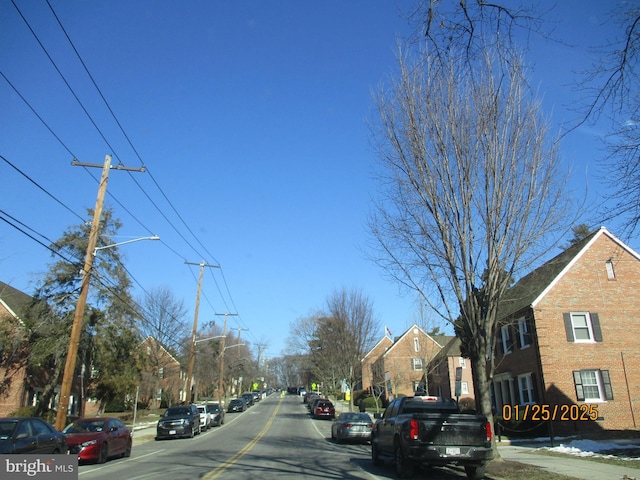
<point>569,343</point>
<point>399,366</point>
<point>14,349</point>
<point>442,373</point>
<point>163,378</point>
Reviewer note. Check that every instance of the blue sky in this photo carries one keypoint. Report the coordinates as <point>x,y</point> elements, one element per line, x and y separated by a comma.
<point>251,118</point>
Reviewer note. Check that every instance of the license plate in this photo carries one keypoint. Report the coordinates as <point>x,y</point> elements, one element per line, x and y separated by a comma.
<point>172,432</point>
<point>452,450</point>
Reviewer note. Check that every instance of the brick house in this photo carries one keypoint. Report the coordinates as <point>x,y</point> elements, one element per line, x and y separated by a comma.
<point>163,378</point>
<point>21,385</point>
<point>373,379</point>
<point>568,337</point>
<point>400,365</point>
<point>441,373</point>
<point>13,349</point>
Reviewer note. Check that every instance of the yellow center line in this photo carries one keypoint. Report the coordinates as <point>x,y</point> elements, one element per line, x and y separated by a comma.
<point>223,467</point>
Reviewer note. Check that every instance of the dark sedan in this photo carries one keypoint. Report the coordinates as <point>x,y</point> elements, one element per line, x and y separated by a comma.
<point>352,426</point>
<point>98,439</point>
<point>30,435</point>
<point>236,405</point>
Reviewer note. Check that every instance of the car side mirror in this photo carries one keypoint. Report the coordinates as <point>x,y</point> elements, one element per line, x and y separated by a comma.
<point>377,415</point>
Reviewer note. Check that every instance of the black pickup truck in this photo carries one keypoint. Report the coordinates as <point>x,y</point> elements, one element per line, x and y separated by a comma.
<point>431,431</point>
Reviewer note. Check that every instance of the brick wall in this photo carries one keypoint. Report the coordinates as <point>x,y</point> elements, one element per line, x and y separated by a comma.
<point>587,288</point>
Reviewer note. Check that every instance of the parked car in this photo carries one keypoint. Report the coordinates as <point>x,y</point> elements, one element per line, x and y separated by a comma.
<point>313,401</point>
<point>249,398</point>
<point>179,421</point>
<point>205,417</point>
<point>352,426</point>
<point>216,414</point>
<point>256,396</point>
<point>98,439</point>
<point>236,405</point>
<point>30,435</point>
<point>324,409</point>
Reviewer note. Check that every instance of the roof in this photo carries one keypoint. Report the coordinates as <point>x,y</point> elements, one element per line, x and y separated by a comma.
<point>13,299</point>
<point>450,349</point>
<point>397,340</point>
<point>531,288</point>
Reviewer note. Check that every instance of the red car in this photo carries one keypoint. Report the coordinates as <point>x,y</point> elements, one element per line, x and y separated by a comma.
<point>324,409</point>
<point>98,439</point>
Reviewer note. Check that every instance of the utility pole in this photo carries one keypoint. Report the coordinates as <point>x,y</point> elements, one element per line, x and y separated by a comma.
<point>239,329</point>
<point>192,350</point>
<point>78,316</point>
<point>221,376</point>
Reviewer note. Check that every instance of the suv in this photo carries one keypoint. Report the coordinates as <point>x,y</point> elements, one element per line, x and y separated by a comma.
<point>179,421</point>
<point>205,417</point>
<point>323,409</point>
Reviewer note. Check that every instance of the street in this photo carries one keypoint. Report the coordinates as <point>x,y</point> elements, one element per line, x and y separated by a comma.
<point>275,439</point>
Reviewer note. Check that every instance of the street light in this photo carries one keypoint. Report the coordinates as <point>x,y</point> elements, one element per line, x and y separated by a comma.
<point>154,237</point>
<point>76,329</point>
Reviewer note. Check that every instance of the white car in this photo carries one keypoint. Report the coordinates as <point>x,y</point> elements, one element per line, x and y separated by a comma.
<point>205,417</point>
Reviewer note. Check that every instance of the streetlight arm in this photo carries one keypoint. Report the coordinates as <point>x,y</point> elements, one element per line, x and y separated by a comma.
<point>154,237</point>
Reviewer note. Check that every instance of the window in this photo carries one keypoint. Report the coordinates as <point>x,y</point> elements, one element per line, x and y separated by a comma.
<point>464,388</point>
<point>593,385</point>
<point>463,362</point>
<point>416,363</point>
<point>611,274</point>
<point>416,345</point>
<point>161,372</point>
<point>525,389</point>
<point>582,327</point>
<point>507,341</point>
<point>524,336</point>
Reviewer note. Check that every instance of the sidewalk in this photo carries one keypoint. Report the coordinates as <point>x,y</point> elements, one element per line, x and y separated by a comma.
<point>566,465</point>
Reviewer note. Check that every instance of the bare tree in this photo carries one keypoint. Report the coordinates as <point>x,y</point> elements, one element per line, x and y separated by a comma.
<point>354,312</point>
<point>163,317</point>
<point>611,90</point>
<point>471,187</point>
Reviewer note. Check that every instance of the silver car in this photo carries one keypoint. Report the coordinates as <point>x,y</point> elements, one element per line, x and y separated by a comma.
<point>352,426</point>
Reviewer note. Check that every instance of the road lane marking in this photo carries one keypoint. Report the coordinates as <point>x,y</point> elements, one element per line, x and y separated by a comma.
<point>224,466</point>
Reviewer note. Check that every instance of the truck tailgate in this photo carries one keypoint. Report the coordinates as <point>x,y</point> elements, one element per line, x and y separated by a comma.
<point>456,429</point>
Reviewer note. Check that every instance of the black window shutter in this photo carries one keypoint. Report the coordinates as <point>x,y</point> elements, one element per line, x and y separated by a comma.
<point>568,327</point>
<point>595,325</point>
<point>510,338</point>
<point>577,379</point>
<point>606,382</point>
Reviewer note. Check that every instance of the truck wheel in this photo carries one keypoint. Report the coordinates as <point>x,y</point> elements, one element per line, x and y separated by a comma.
<point>475,473</point>
<point>404,467</point>
<point>375,455</point>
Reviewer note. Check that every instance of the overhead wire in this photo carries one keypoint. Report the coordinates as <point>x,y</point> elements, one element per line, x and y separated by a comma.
<point>109,145</point>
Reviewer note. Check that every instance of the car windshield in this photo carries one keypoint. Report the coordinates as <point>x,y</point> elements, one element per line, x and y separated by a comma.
<point>213,408</point>
<point>6,428</point>
<point>86,426</point>
<point>171,412</point>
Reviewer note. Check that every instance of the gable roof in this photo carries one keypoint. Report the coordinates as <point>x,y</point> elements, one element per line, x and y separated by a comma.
<point>375,348</point>
<point>397,340</point>
<point>531,288</point>
<point>152,339</point>
<point>13,299</point>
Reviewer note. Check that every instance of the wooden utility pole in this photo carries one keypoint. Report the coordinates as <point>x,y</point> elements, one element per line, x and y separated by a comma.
<point>192,350</point>
<point>76,329</point>
<point>221,385</point>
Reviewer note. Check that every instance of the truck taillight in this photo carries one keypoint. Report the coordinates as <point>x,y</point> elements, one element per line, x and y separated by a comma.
<point>414,428</point>
<point>487,427</point>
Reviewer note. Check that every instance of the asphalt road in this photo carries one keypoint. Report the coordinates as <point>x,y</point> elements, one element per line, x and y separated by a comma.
<point>275,439</point>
